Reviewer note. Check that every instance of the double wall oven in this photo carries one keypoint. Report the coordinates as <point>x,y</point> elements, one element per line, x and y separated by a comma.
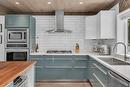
<point>17,44</point>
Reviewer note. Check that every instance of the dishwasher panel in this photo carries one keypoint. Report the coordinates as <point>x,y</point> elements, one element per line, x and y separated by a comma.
<point>117,81</point>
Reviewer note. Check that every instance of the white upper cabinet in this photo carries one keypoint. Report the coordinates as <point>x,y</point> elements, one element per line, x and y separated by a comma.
<point>91,26</point>
<point>101,26</point>
<point>106,24</point>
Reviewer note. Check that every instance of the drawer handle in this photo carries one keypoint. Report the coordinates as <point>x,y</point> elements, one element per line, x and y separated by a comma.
<point>120,81</point>
<point>98,67</point>
<point>60,67</point>
<point>39,67</point>
<point>80,67</point>
<point>98,80</point>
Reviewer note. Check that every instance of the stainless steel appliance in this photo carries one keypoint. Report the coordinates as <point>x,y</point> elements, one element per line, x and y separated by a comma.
<point>17,38</point>
<point>16,54</point>
<point>59,51</point>
<point>20,81</point>
<point>17,35</point>
<point>116,80</point>
<point>59,16</point>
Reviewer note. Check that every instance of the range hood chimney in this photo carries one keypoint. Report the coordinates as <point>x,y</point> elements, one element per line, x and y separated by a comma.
<point>59,21</point>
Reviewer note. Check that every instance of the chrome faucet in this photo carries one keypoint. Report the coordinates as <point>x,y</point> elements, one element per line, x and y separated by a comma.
<point>125,57</point>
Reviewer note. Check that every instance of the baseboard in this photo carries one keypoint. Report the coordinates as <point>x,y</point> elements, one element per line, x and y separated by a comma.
<point>62,81</point>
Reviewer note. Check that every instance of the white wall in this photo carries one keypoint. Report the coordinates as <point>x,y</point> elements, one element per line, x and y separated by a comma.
<point>65,41</point>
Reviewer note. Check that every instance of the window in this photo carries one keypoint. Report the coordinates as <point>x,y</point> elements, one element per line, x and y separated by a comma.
<point>128,35</point>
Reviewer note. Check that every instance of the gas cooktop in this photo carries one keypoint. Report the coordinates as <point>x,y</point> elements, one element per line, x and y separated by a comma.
<point>59,51</point>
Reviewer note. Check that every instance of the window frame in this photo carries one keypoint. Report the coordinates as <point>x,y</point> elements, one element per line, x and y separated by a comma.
<point>126,34</point>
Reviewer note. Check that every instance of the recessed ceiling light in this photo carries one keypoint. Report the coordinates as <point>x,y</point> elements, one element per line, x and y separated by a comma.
<point>81,2</point>
<point>49,3</point>
<point>17,3</point>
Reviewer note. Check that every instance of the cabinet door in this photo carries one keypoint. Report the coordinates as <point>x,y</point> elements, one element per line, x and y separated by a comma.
<point>107,24</point>
<point>39,66</point>
<point>91,27</point>
<point>12,21</point>
<point>80,67</point>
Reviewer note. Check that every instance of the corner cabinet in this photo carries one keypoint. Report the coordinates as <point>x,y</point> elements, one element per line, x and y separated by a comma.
<point>21,21</point>
<point>101,26</point>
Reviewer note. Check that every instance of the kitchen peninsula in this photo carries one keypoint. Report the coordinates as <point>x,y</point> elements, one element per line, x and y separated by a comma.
<point>15,74</point>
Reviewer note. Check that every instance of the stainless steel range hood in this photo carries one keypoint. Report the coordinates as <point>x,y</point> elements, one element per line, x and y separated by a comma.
<point>59,21</point>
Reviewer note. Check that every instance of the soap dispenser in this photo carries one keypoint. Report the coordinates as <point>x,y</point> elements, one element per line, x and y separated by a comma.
<point>77,49</point>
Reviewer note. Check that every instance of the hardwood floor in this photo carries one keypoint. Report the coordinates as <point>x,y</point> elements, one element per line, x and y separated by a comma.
<point>62,84</point>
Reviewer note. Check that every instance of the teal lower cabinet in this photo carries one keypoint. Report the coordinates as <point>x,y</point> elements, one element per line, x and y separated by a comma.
<point>39,66</point>
<point>61,67</point>
<point>77,68</point>
<point>98,74</point>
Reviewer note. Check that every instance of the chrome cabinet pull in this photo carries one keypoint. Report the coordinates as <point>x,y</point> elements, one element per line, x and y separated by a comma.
<point>98,67</point>
<point>98,80</point>
<point>119,80</point>
<point>60,67</point>
<point>39,67</point>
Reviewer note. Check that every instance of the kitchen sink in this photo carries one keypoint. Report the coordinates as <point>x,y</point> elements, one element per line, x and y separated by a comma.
<point>113,61</point>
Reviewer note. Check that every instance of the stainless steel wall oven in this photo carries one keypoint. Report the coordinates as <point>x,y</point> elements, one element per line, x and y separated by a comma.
<point>16,54</point>
<point>17,38</point>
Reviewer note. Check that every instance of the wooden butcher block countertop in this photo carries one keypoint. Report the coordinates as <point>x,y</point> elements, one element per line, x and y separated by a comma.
<point>12,69</point>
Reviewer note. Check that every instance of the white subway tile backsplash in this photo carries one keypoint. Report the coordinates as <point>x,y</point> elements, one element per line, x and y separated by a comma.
<point>65,41</point>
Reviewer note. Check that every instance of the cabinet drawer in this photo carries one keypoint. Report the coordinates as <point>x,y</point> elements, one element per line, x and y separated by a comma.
<point>55,74</point>
<point>52,58</point>
<point>101,72</point>
<point>81,58</point>
<point>58,64</point>
<point>97,82</point>
<point>80,64</point>
<point>99,68</point>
